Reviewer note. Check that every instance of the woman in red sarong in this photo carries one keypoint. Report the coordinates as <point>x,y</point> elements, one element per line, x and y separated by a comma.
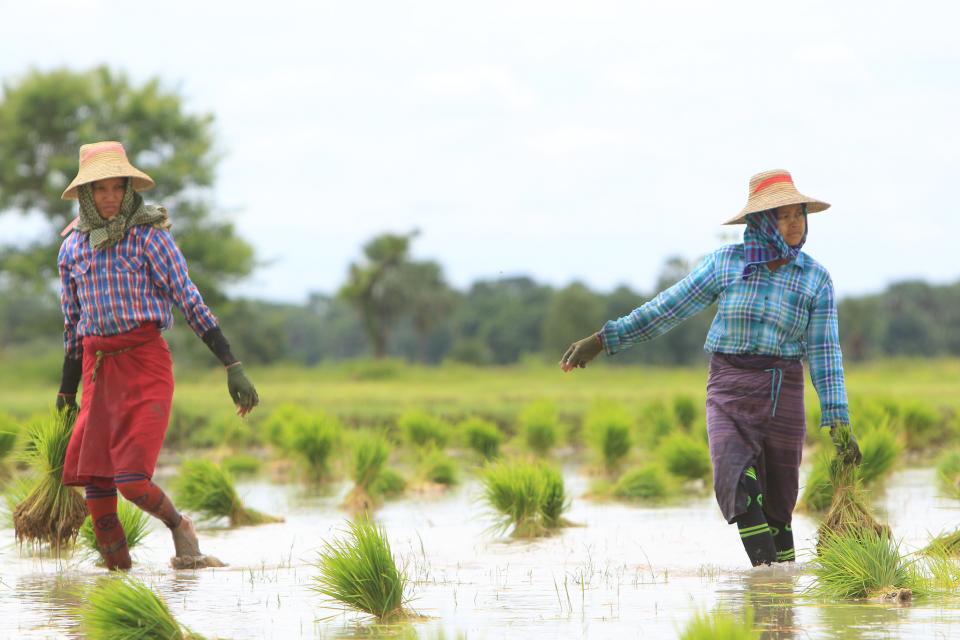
<point>121,274</point>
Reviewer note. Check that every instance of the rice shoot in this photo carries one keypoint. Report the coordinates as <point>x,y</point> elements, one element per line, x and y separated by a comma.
<point>121,607</point>
<point>528,498</point>
<point>51,512</point>
<point>208,490</point>
<point>370,454</point>
<point>359,572</point>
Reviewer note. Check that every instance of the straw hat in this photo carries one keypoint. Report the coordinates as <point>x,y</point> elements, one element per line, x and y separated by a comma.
<point>772,189</point>
<point>102,160</point>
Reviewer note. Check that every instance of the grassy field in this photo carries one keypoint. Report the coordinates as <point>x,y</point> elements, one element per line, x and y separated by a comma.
<point>374,393</point>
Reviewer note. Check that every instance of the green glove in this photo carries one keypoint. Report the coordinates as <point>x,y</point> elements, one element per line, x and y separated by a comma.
<point>581,352</point>
<point>242,391</point>
<point>845,443</point>
<point>67,401</point>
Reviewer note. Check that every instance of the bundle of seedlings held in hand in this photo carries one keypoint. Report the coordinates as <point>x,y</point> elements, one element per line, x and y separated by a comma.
<point>529,497</point>
<point>360,573</point>
<point>135,523</point>
<point>51,512</point>
<point>849,513</point>
<point>207,490</point>
<point>123,608</point>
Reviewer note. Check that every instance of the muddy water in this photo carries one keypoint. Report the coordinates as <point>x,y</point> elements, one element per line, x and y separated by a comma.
<point>627,573</point>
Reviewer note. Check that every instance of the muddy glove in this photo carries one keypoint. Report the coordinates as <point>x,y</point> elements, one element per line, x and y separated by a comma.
<point>67,401</point>
<point>846,443</point>
<point>242,392</point>
<point>581,352</point>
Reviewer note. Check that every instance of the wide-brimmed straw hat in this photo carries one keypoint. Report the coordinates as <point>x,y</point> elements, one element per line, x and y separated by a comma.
<point>102,160</point>
<point>772,189</point>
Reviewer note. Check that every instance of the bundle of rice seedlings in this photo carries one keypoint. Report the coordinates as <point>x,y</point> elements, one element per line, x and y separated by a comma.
<point>423,429</point>
<point>608,429</point>
<point>284,419</point>
<point>313,440</point>
<point>206,489</point>
<point>370,453</point>
<point>946,543</point>
<point>656,421</point>
<point>923,426</point>
<point>848,512</point>
<point>863,564</point>
<point>540,426</point>
<point>50,512</point>
<point>482,436</point>
<point>438,468</point>
<point>720,625</point>
<point>644,483</point>
<point>686,411</point>
<point>528,497</point>
<point>123,608</point>
<point>9,432</point>
<point>135,523</point>
<point>359,572</point>
<point>388,484</point>
<point>880,451</point>
<point>941,571</point>
<point>242,465</point>
<point>818,490</point>
<point>685,456</point>
<point>948,473</point>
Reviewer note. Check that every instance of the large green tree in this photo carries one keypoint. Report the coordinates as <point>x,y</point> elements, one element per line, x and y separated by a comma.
<point>45,116</point>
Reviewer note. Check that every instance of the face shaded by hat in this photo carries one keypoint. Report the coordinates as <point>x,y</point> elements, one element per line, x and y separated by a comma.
<point>108,159</point>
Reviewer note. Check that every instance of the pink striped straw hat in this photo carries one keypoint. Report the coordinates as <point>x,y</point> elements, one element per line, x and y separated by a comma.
<point>772,189</point>
<point>102,160</point>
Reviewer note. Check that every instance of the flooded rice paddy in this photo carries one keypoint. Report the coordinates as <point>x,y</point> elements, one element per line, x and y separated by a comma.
<point>628,572</point>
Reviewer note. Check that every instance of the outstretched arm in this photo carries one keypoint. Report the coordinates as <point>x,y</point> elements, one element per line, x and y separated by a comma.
<point>683,300</point>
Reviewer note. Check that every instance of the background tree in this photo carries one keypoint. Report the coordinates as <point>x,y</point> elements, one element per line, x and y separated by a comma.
<point>45,116</point>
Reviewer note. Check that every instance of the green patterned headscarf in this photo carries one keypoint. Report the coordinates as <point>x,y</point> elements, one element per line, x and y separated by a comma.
<point>106,233</point>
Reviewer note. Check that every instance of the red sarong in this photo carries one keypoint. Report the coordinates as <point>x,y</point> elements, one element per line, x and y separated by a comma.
<point>125,407</point>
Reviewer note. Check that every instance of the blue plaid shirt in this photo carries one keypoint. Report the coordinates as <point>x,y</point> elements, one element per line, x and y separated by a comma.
<point>790,313</point>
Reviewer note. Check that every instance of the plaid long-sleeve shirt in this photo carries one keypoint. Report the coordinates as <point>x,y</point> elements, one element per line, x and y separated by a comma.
<point>139,279</point>
<point>790,313</point>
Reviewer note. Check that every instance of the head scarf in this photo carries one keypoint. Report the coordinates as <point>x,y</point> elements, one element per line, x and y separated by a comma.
<point>763,243</point>
<point>106,233</point>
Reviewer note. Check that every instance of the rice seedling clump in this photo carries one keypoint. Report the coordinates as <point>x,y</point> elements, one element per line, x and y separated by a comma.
<point>849,513</point>
<point>656,421</point>
<point>370,453</point>
<point>818,489</point>
<point>880,450</point>
<point>948,473</point>
<point>360,573</point>
<point>423,429</point>
<point>388,484</point>
<point>685,456</point>
<point>135,523</point>
<point>242,465</point>
<point>648,482</point>
<point>9,432</point>
<point>208,490</point>
<point>608,429</point>
<point>482,436</point>
<point>528,497</point>
<point>863,565</point>
<point>284,419</point>
<point>51,512</point>
<point>539,427</point>
<point>313,440</point>
<point>123,608</point>
<point>438,468</point>
<point>720,625</point>
<point>686,411</point>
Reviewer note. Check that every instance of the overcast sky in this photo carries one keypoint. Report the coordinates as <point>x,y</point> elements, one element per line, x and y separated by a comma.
<point>563,140</point>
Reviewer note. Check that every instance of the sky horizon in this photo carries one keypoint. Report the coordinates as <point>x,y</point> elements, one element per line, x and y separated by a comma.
<point>563,141</point>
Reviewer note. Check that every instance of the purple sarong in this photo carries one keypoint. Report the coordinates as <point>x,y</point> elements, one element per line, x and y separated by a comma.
<point>755,417</point>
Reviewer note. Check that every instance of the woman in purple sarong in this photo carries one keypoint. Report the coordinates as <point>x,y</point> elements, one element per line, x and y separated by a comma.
<point>775,305</point>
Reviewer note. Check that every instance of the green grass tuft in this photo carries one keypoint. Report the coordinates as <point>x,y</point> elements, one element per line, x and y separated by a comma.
<point>51,512</point>
<point>208,490</point>
<point>608,429</point>
<point>437,467</point>
<point>686,456</point>
<point>720,625</point>
<point>528,497</point>
<point>482,436</point>
<point>422,429</point>
<point>313,439</point>
<point>648,482</point>
<point>359,572</point>
<point>121,607</point>
<point>540,427</point>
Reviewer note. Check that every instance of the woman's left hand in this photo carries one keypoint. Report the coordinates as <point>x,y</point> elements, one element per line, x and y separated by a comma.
<point>242,391</point>
<point>581,352</point>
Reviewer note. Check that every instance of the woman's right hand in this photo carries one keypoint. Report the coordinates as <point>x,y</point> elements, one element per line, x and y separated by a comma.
<point>581,352</point>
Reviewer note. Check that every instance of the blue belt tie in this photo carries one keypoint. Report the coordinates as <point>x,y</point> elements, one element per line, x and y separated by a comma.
<point>776,379</point>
